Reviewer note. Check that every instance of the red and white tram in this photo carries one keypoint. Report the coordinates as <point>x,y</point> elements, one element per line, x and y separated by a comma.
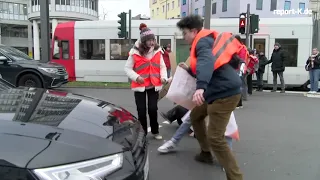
<point>92,51</point>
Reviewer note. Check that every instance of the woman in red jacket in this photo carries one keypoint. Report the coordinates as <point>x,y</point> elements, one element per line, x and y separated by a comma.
<point>166,58</point>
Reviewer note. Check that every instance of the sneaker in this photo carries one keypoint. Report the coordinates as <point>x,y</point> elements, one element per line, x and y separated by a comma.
<point>239,107</point>
<point>204,157</point>
<point>167,147</point>
<point>157,136</point>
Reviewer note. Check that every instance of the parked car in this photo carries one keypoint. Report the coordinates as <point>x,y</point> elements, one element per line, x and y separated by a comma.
<point>20,70</point>
<point>56,135</point>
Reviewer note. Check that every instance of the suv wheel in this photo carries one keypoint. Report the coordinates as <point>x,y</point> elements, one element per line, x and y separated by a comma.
<point>30,80</point>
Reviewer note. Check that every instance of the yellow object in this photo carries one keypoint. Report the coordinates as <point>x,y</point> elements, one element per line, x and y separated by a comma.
<point>164,9</point>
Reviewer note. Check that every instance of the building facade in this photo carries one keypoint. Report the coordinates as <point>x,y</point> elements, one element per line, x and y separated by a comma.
<point>264,8</point>
<point>20,20</point>
<point>164,9</point>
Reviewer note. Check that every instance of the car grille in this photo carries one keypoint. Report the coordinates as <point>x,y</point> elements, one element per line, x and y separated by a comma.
<point>139,150</point>
<point>61,71</point>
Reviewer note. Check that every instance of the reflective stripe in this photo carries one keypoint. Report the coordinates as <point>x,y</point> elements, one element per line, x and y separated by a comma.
<point>220,51</point>
<point>146,64</point>
<point>150,75</point>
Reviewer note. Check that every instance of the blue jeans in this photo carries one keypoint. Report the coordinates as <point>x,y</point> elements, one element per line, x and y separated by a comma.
<point>314,79</point>
<point>184,129</point>
<point>168,72</point>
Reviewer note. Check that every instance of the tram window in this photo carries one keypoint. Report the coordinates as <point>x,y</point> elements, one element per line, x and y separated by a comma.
<point>259,45</point>
<point>65,49</point>
<point>119,48</point>
<point>93,49</point>
<point>56,50</point>
<point>290,46</point>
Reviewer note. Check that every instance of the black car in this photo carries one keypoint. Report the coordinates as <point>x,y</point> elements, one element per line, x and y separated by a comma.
<point>19,69</point>
<point>55,135</point>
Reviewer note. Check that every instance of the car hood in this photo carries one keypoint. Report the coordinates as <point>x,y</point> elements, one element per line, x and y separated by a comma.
<point>43,128</point>
<point>40,64</point>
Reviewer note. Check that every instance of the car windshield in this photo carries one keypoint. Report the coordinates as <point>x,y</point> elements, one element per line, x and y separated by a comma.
<point>14,53</point>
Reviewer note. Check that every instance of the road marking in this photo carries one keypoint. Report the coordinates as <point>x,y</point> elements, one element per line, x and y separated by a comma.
<point>288,92</point>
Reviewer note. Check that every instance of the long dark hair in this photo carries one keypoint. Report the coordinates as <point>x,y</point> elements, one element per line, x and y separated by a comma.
<point>144,49</point>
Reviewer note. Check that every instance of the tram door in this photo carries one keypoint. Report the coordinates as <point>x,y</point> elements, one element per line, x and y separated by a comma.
<point>261,44</point>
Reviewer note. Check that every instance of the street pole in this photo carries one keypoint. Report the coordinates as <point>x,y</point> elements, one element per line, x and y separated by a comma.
<point>207,15</point>
<point>130,28</point>
<point>45,28</point>
<point>248,26</point>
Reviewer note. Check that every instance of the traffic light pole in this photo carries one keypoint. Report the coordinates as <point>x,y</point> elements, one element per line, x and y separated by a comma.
<point>207,16</point>
<point>248,26</point>
<point>129,34</point>
<point>45,28</point>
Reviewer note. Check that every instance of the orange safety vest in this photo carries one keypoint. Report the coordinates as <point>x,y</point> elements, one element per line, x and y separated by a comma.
<point>225,46</point>
<point>147,69</point>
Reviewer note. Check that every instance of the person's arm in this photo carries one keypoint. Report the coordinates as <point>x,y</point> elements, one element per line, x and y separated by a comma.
<point>128,69</point>
<point>205,62</point>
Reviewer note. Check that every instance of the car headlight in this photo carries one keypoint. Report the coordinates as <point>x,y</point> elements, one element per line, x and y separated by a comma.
<point>96,169</point>
<point>50,70</point>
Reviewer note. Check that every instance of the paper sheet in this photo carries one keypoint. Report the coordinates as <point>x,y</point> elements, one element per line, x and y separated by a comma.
<point>182,88</point>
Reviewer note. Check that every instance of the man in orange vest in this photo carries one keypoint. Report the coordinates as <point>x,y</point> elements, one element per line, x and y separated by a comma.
<point>218,90</point>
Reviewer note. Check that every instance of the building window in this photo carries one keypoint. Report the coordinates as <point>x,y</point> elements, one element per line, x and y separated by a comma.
<point>203,11</point>
<point>184,14</point>
<point>58,2</point>
<point>168,7</point>
<point>119,48</point>
<point>290,46</point>
<point>179,3</point>
<point>152,13</point>
<point>172,5</point>
<point>259,4</point>
<point>93,49</point>
<point>214,8</point>
<point>157,11</point>
<point>196,11</point>
<point>287,5</point>
<point>273,5</point>
<point>184,2</point>
<point>302,6</point>
<point>163,8</point>
<point>224,5</point>
<point>68,2</point>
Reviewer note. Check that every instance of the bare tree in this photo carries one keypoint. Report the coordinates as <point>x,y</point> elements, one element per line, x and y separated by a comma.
<point>104,14</point>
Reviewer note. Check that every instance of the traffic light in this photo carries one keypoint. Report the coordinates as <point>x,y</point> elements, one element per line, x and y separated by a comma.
<point>123,25</point>
<point>242,23</point>
<point>254,23</point>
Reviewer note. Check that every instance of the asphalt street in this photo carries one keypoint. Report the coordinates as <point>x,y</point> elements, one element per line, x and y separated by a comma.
<point>278,139</point>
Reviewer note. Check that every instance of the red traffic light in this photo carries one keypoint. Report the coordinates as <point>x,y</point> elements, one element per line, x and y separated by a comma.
<point>242,22</point>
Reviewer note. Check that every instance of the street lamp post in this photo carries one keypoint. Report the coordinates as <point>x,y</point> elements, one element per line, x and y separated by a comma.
<point>45,28</point>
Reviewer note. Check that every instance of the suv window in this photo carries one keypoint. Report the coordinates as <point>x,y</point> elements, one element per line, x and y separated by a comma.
<point>13,53</point>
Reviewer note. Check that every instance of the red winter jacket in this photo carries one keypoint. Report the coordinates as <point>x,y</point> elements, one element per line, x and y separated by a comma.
<point>166,59</point>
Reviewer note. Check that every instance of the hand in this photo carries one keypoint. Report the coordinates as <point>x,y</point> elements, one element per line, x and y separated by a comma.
<point>183,65</point>
<point>198,98</point>
<point>163,81</point>
<point>140,80</point>
<point>170,80</point>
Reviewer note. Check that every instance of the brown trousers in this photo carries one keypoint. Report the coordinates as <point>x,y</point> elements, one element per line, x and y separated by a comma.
<point>212,138</point>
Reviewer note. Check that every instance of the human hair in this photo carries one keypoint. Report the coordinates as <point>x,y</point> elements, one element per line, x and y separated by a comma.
<point>144,49</point>
<point>191,22</point>
<point>238,38</point>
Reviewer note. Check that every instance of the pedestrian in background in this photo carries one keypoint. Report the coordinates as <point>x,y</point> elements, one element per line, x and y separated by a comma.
<point>278,57</point>
<point>217,90</point>
<point>252,67</point>
<point>166,51</point>
<point>313,66</point>
<point>262,66</point>
<point>148,72</point>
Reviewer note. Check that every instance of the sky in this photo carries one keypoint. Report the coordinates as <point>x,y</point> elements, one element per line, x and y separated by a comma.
<point>111,8</point>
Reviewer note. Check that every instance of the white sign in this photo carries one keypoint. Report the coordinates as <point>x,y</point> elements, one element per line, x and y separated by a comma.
<point>282,12</point>
<point>182,88</point>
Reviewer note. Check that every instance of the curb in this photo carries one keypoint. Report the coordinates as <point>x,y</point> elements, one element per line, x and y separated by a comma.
<point>94,87</point>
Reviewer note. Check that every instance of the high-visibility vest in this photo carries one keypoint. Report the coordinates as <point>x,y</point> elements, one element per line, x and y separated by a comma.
<point>149,70</point>
<point>224,47</point>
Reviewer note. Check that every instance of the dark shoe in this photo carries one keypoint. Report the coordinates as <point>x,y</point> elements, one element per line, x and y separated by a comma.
<point>204,157</point>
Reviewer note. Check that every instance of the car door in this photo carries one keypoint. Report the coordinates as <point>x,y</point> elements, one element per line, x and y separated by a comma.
<point>9,69</point>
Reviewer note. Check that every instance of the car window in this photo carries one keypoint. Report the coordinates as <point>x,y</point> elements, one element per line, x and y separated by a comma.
<point>15,54</point>
<point>4,85</point>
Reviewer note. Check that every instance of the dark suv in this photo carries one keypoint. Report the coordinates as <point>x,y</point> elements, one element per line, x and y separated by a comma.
<point>19,69</point>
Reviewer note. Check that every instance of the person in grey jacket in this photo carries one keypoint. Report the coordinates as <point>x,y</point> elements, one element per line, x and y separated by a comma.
<point>278,58</point>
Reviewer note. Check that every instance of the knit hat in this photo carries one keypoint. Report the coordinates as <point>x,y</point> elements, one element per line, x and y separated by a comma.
<point>142,26</point>
<point>146,34</point>
<point>277,44</point>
